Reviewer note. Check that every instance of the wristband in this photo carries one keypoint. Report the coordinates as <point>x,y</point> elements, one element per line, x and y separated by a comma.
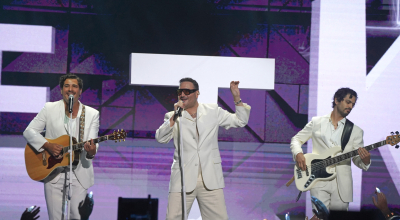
<point>238,102</point>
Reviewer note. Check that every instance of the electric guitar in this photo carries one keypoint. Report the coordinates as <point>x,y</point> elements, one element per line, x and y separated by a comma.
<point>42,166</point>
<point>323,167</point>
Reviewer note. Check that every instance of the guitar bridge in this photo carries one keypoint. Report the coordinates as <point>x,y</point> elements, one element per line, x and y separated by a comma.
<point>44,158</point>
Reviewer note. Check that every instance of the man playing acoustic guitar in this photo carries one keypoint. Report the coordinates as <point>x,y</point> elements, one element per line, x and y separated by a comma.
<point>329,131</point>
<point>55,118</point>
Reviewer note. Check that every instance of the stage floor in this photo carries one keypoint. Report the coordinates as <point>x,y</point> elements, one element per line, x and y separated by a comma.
<point>255,177</point>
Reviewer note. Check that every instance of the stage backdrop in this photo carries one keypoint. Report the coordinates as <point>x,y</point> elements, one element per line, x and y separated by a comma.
<point>94,39</point>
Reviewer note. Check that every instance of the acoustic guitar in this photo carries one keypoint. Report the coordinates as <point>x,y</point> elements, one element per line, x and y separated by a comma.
<point>42,166</point>
<point>323,167</point>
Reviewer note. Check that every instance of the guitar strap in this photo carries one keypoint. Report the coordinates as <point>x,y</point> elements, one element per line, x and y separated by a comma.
<point>348,128</point>
<point>82,124</point>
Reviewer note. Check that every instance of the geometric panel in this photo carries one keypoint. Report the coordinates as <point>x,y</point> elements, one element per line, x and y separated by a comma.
<point>112,115</point>
<point>149,113</point>
<point>290,93</point>
<point>303,103</point>
<point>15,123</point>
<point>43,62</point>
<point>279,127</point>
<point>291,66</point>
<point>254,98</point>
<point>252,45</point>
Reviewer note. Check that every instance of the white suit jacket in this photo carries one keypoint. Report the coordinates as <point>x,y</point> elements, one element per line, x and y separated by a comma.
<point>52,117</point>
<point>205,151</point>
<point>315,130</point>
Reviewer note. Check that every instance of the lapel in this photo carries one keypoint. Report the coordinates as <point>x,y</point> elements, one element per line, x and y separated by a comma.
<point>187,116</point>
<point>62,114</point>
<point>324,125</point>
<point>201,123</point>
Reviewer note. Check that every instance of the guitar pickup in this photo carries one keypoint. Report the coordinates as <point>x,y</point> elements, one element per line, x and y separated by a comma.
<point>307,173</point>
<point>299,175</point>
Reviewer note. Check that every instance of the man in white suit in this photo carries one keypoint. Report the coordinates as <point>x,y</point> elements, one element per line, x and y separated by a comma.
<point>202,161</point>
<point>326,132</point>
<point>55,117</point>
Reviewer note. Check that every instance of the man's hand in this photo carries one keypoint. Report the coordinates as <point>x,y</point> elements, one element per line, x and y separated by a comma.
<point>86,207</point>
<point>176,105</point>
<point>364,155</point>
<point>90,148</point>
<point>31,215</point>
<point>301,161</point>
<point>381,203</point>
<point>53,148</point>
<point>234,86</point>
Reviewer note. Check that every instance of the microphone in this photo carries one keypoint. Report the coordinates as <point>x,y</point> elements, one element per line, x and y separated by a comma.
<point>70,103</point>
<point>178,113</point>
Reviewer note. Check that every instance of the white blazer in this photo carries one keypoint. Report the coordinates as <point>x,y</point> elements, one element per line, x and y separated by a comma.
<point>314,130</point>
<point>205,151</point>
<point>52,117</point>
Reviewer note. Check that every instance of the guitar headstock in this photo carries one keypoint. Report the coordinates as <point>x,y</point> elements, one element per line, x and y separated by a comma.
<point>393,139</point>
<point>118,135</point>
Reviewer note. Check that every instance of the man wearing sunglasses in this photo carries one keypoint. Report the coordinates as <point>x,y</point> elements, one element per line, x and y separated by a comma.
<point>202,161</point>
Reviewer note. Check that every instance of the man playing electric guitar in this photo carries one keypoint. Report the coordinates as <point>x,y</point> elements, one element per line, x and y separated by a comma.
<point>55,118</point>
<point>329,131</point>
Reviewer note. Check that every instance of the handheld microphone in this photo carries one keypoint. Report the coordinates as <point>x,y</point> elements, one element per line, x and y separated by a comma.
<point>70,103</point>
<point>178,113</point>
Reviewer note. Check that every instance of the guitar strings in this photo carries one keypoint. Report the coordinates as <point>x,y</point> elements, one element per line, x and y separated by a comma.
<point>321,165</point>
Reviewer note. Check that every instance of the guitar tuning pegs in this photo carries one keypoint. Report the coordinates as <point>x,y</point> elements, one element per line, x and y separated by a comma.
<point>397,147</point>
<point>392,133</point>
<point>397,132</point>
<point>118,130</point>
<point>124,139</point>
<point>119,140</point>
<point>122,129</point>
<point>116,141</point>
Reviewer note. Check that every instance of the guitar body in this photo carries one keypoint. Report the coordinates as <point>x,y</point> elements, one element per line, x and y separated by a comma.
<point>41,166</point>
<point>305,180</point>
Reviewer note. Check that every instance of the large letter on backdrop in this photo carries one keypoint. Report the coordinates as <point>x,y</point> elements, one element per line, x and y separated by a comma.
<point>211,72</point>
<point>24,38</point>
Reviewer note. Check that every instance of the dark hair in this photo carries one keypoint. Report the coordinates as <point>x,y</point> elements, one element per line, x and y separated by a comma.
<point>188,79</point>
<point>70,76</point>
<point>341,93</point>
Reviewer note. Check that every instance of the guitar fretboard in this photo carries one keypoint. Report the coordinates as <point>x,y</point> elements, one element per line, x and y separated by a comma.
<point>79,146</point>
<point>334,160</point>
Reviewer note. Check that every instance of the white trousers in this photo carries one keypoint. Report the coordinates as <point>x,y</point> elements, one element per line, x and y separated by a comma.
<point>327,192</point>
<point>211,203</point>
<point>55,197</point>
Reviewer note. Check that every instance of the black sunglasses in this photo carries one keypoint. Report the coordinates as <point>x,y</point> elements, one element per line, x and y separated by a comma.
<point>185,91</point>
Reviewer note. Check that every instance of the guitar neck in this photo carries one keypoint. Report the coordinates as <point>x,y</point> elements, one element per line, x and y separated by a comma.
<point>79,146</point>
<point>340,158</point>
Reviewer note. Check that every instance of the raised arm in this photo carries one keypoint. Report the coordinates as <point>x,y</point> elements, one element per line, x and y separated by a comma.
<point>242,112</point>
